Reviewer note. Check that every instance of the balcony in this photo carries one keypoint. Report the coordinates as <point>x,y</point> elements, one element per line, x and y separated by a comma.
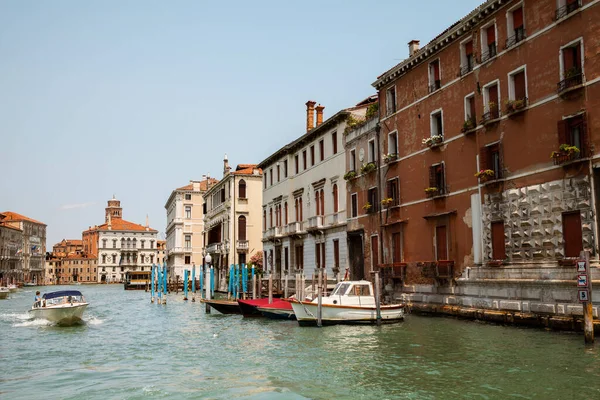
<point>278,231</point>
<point>519,36</point>
<point>567,9</point>
<point>436,85</point>
<point>295,227</point>
<point>213,248</point>
<point>490,53</point>
<point>465,69</point>
<point>315,222</point>
<point>179,250</point>
<point>566,154</point>
<point>573,81</point>
<point>492,115</point>
<point>242,246</point>
<point>395,270</point>
<point>469,125</point>
<point>516,106</point>
<point>436,191</point>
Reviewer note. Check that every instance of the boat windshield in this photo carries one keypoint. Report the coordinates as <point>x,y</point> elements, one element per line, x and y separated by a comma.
<point>360,290</point>
<point>340,289</point>
<point>64,300</point>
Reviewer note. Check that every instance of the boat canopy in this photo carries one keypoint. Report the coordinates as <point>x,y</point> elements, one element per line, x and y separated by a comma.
<point>61,293</point>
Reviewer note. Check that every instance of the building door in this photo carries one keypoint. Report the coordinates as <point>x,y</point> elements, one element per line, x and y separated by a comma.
<point>572,237</point>
<point>441,242</point>
<point>356,255</point>
<point>396,247</point>
<point>498,244</point>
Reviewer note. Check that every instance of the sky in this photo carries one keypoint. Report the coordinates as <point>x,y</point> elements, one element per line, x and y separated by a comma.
<point>134,98</point>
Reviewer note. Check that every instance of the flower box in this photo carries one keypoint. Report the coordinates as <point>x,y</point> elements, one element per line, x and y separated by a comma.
<point>485,175</point>
<point>433,141</point>
<point>388,158</point>
<point>469,125</point>
<point>350,175</point>
<point>432,191</point>
<point>516,106</point>
<point>565,154</point>
<point>368,167</point>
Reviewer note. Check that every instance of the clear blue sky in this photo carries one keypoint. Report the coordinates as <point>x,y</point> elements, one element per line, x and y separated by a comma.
<point>135,98</point>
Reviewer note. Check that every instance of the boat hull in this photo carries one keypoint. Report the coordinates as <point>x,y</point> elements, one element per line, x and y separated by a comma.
<point>249,307</point>
<point>306,314</point>
<point>277,313</point>
<point>224,306</point>
<point>65,315</point>
<point>4,294</point>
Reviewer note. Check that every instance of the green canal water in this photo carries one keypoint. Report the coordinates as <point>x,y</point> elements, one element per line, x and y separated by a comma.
<point>132,349</point>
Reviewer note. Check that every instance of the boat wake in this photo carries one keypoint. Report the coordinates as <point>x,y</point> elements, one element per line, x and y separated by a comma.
<point>33,322</point>
<point>15,317</point>
<point>91,320</point>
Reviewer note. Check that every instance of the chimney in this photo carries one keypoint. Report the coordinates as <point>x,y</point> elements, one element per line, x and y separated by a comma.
<point>226,167</point>
<point>413,47</point>
<point>310,115</point>
<point>319,109</point>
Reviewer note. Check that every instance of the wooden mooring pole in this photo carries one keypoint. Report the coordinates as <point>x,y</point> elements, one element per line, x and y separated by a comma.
<point>320,301</point>
<point>584,294</point>
<point>271,288</point>
<point>378,298</point>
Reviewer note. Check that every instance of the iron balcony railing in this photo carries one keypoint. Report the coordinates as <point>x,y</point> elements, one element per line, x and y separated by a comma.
<point>465,69</point>
<point>490,53</point>
<point>567,9</point>
<point>493,113</point>
<point>574,79</point>
<point>435,86</point>
<point>519,36</point>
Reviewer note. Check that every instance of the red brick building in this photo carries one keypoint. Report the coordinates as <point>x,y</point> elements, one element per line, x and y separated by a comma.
<point>511,90</point>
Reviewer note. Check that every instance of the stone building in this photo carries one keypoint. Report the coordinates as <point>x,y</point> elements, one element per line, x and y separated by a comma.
<point>161,251</point>
<point>120,246</point>
<point>304,197</point>
<point>34,246</point>
<point>232,209</point>
<point>77,267</point>
<point>11,250</point>
<point>185,224</point>
<point>488,138</point>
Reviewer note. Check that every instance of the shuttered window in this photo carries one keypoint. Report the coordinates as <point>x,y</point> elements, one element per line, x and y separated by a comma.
<point>335,198</point>
<point>490,157</point>
<point>441,241</point>
<point>242,189</point>
<point>436,177</point>
<point>572,237</point>
<point>491,35</point>
<point>396,247</point>
<point>518,18</point>
<point>242,228</point>
<point>519,85</point>
<point>498,244</point>
<point>573,132</point>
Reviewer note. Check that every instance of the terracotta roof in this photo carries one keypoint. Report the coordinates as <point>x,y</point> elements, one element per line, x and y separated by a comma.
<point>75,256</point>
<point>203,184</point>
<point>118,224</point>
<point>73,242</point>
<point>13,216</point>
<point>7,225</point>
<point>246,169</point>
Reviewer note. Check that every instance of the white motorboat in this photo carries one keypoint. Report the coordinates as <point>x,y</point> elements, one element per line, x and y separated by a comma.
<point>65,307</point>
<point>351,302</point>
<point>12,287</point>
<point>4,292</point>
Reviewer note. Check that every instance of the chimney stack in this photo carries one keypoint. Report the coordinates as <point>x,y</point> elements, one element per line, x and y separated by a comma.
<point>319,109</point>
<point>310,115</point>
<point>226,167</point>
<point>413,47</point>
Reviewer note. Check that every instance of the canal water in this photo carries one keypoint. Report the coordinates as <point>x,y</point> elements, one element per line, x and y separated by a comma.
<point>132,349</point>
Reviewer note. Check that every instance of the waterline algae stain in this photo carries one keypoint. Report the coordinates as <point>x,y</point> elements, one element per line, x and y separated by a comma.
<point>129,348</point>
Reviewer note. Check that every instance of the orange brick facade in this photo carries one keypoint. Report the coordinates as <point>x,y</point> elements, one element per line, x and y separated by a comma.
<point>522,212</point>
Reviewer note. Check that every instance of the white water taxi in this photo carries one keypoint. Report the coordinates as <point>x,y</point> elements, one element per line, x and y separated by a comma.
<point>4,292</point>
<point>351,302</point>
<point>65,307</point>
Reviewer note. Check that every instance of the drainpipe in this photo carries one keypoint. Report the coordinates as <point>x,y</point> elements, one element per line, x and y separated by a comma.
<point>377,132</point>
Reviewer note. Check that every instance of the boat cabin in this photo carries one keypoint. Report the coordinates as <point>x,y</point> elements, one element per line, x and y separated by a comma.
<point>349,293</point>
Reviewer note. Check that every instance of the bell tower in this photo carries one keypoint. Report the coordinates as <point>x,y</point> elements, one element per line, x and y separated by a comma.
<point>114,209</point>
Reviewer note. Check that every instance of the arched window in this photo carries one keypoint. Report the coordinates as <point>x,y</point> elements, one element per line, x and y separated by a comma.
<point>285,220</point>
<point>317,203</point>
<point>264,220</point>
<point>322,194</point>
<point>242,228</point>
<point>242,189</point>
<point>128,243</point>
<point>335,198</point>
<point>270,217</point>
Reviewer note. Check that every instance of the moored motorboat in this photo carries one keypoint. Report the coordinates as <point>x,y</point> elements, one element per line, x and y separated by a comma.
<point>351,302</point>
<point>278,309</point>
<point>64,307</point>
<point>248,307</point>
<point>224,306</point>
<point>12,288</point>
<point>4,292</point>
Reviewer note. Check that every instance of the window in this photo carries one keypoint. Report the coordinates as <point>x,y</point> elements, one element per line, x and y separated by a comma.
<point>285,213</point>
<point>336,254</point>
<point>334,142</point>
<point>143,243</point>
<point>491,100</point>
<point>566,7</point>
<point>264,220</point>
<point>114,243</point>
<point>517,90</point>
<point>467,60</point>
<point>514,26</point>
<point>352,165</point>
<point>278,173</point>
<point>320,255</point>
<point>396,247</point>
<point>242,228</point>
<point>372,199</point>
<point>187,260</point>
<point>188,212</point>
<point>298,208</point>
<point>152,244</point>
<point>573,132</point>
<point>436,178</point>
<point>437,125</point>
<point>271,177</point>
<point>392,192</point>
<point>434,76</point>
<point>441,243</point>
<point>354,205</point>
<point>320,202</point>
<point>374,252</point>
<point>498,245</point>
<point>335,198</point>
<point>312,155</point>
<point>270,217</point>
<point>188,196</point>
<point>286,258</point>
<point>103,258</point>
<point>299,253</point>
<point>470,115</point>
<point>223,190</point>
<point>490,157</point>
<point>321,150</point>
<point>371,151</point>
<point>285,168</point>
<point>134,243</point>
<point>393,143</point>
<point>572,237</point>
<point>390,100</point>
<point>242,189</point>
<point>304,165</point>
<point>571,66</point>
<point>488,42</point>
<point>296,163</point>
<point>265,186</point>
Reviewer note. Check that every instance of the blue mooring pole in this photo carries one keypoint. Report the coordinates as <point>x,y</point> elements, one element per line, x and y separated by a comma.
<point>201,281</point>
<point>159,283</point>
<point>194,278</point>
<point>212,282</point>
<point>152,285</point>
<point>245,279</point>
<point>230,282</point>
<point>237,281</point>
<point>185,284</point>
<point>165,278</point>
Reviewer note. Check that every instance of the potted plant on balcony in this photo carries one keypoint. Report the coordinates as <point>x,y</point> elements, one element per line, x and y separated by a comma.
<point>350,175</point>
<point>432,191</point>
<point>485,175</point>
<point>389,157</point>
<point>468,125</point>
<point>565,153</point>
<point>433,141</point>
<point>368,167</point>
<point>387,201</point>
<point>367,207</point>
<point>513,106</point>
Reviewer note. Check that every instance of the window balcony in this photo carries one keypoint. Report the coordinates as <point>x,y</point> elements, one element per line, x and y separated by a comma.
<point>295,227</point>
<point>567,154</point>
<point>519,36</point>
<point>573,81</point>
<point>242,246</point>
<point>436,191</point>
<point>213,248</point>
<point>269,233</point>
<point>278,231</point>
<point>315,222</point>
<point>567,9</point>
<point>435,86</point>
<point>516,106</point>
<point>492,115</point>
<point>465,69</point>
<point>179,250</point>
<point>489,54</point>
